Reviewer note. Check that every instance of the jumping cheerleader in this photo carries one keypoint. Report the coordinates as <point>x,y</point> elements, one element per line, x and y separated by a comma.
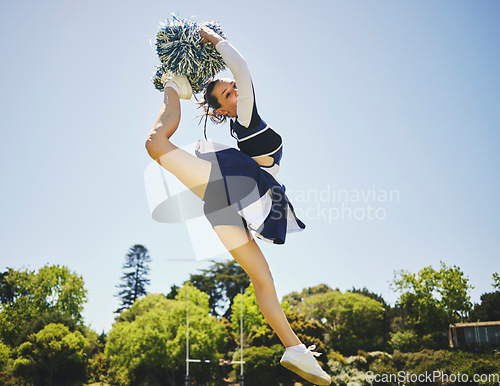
<point>238,186</point>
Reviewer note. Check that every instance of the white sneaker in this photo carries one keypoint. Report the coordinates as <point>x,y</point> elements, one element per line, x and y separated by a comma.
<point>305,365</point>
<point>185,91</point>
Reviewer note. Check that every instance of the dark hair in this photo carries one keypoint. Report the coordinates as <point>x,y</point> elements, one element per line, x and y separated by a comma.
<point>210,104</point>
<point>211,99</point>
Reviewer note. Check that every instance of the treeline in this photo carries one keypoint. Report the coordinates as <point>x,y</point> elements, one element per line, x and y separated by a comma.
<point>43,339</point>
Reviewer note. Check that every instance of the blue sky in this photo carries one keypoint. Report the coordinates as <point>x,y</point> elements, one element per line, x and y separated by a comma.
<point>369,96</point>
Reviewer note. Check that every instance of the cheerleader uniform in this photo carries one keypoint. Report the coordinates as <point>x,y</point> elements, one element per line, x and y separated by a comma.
<point>240,191</point>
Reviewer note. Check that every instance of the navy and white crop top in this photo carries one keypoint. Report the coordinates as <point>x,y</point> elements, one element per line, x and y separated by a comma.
<point>255,137</point>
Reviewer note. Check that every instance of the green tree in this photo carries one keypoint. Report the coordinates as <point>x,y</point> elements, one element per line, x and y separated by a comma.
<point>390,313</point>
<point>222,282</point>
<point>147,344</point>
<point>54,355</point>
<point>431,300</point>
<point>135,276</point>
<point>296,299</point>
<point>496,281</point>
<point>370,295</point>
<point>35,299</point>
<point>351,320</point>
<point>174,290</point>
<point>489,308</point>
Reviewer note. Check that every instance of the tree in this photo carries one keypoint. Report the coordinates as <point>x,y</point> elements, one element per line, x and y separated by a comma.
<point>489,308</point>
<point>54,355</point>
<point>351,320</point>
<point>390,313</point>
<point>134,278</point>
<point>222,282</point>
<point>432,300</point>
<point>34,299</point>
<point>496,281</point>
<point>174,290</point>
<point>147,344</point>
<point>296,299</point>
<point>370,295</point>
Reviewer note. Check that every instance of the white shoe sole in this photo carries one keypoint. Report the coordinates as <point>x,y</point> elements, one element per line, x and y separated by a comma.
<point>316,379</point>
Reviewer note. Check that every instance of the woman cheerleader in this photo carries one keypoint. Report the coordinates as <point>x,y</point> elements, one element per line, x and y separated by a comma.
<point>238,187</point>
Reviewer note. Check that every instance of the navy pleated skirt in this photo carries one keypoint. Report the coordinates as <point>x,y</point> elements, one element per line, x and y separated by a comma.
<point>241,192</point>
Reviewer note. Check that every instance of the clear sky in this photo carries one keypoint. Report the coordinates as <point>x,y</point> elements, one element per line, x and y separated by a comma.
<point>397,101</point>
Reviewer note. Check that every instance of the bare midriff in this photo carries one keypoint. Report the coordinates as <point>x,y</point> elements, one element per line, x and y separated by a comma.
<point>264,160</point>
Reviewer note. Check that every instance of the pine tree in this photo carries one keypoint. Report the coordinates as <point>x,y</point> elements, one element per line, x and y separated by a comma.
<point>134,279</point>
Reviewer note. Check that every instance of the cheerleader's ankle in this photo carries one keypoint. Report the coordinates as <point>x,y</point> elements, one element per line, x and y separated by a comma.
<point>183,87</point>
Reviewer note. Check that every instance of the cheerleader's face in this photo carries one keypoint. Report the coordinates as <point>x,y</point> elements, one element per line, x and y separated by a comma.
<point>227,94</point>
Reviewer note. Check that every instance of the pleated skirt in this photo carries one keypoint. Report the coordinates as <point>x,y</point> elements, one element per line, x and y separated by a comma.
<point>241,192</point>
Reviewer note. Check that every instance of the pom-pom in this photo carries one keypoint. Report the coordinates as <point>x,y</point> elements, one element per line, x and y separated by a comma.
<point>179,47</point>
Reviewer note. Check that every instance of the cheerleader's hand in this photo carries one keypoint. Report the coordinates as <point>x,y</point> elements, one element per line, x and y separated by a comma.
<point>208,35</point>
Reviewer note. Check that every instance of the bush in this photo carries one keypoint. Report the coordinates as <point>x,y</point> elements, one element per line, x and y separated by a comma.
<point>447,362</point>
<point>360,370</point>
<point>405,341</point>
<point>345,371</point>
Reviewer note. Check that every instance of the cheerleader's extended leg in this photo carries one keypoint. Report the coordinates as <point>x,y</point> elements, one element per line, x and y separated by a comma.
<point>193,172</point>
<point>247,253</point>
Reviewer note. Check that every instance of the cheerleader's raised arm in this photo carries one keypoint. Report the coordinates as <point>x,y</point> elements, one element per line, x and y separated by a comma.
<point>239,68</point>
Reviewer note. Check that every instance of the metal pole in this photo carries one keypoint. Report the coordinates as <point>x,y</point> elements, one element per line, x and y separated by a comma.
<point>242,381</point>
<point>187,380</point>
